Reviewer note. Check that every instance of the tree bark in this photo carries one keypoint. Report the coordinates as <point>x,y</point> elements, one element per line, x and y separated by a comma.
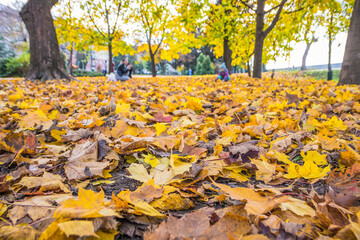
<point>227,54</point>
<point>248,68</point>
<point>111,67</point>
<point>152,58</point>
<point>261,34</point>
<point>329,63</point>
<point>162,63</point>
<point>70,64</point>
<point>350,70</point>
<point>46,62</point>
<point>303,65</point>
<point>259,38</point>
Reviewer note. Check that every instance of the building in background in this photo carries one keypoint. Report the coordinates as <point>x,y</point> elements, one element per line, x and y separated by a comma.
<point>13,30</point>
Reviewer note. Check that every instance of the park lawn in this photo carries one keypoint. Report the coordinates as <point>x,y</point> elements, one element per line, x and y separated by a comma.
<point>249,158</point>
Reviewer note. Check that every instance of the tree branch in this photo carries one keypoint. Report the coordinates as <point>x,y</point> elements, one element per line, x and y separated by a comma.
<point>247,5</point>
<point>297,10</point>
<point>272,9</point>
<point>93,21</point>
<point>276,18</point>
<point>117,17</point>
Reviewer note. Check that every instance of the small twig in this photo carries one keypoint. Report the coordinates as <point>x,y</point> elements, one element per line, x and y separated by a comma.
<point>48,169</point>
<point>296,194</point>
<point>16,196</point>
<point>218,159</point>
<point>26,205</point>
<point>40,220</point>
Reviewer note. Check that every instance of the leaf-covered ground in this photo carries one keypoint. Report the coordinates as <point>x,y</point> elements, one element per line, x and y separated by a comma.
<point>179,158</point>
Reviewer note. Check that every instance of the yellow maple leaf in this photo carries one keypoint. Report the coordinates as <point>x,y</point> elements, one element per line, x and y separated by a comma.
<point>151,160</point>
<point>160,128</point>
<point>88,205</point>
<point>314,156</point>
<point>57,134</point>
<point>181,164</point>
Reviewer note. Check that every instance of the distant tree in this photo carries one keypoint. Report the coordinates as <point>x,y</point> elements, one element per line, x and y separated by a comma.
<point>70,30</point>
<point>336,20</point>
<point>206,66</point>
<point>104,18</point>
<point>310,22</point>
<point>82,58</point>
<point>350,70</point>
<point>45,58</point>
<point>199,62</point>
<point>154,17</point>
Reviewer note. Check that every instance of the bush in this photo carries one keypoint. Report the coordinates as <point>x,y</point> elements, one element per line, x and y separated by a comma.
<point>206,66</point>
<point>19,66</point>
<point>199,62</point>
<point>84,73</point>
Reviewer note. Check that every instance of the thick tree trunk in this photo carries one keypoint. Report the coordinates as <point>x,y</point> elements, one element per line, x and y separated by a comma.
<point>46,62</point>
<point>329,63</point>
<point>70,64</point>
<point>350,70</point>
<point>227,54</point>
<point>259,39</point>
<point>111,67</point>
<point>303,65</point>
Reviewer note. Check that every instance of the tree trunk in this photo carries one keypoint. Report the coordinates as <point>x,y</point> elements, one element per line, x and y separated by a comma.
<point>350,70</point>
<point>259,39</point>
<point>303,65</point>
<point>111,67</point>
<point>153,68</point>
<point>329,63</point>
<point>70,64</point>
<point>330,43</point>
<point>162,67</point>
<point>46,62</point>
<point>248,68</point>
<point>227,54</point>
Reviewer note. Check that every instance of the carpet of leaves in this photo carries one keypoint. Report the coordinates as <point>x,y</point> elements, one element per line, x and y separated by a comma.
<point>179,158</point>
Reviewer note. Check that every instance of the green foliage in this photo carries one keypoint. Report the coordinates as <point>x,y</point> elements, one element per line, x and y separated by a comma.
<point>321,75</point>
<point>84,73</point>
<point>19,66</point>
<point>5,51</point>
<point>203,65</point>
<point>63,57</point>
<point>199,62</point>
<point>3,62</point>
<point>206,66</point>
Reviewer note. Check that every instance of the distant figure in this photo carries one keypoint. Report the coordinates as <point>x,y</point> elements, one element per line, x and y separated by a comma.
<point>190,72</point>
<point>105,68</point>
<point>123,72</point>
<point>223,74</point>
<point>273,74</point>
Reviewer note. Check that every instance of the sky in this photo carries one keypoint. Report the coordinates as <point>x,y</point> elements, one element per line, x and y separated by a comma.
<point>318,53</point>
